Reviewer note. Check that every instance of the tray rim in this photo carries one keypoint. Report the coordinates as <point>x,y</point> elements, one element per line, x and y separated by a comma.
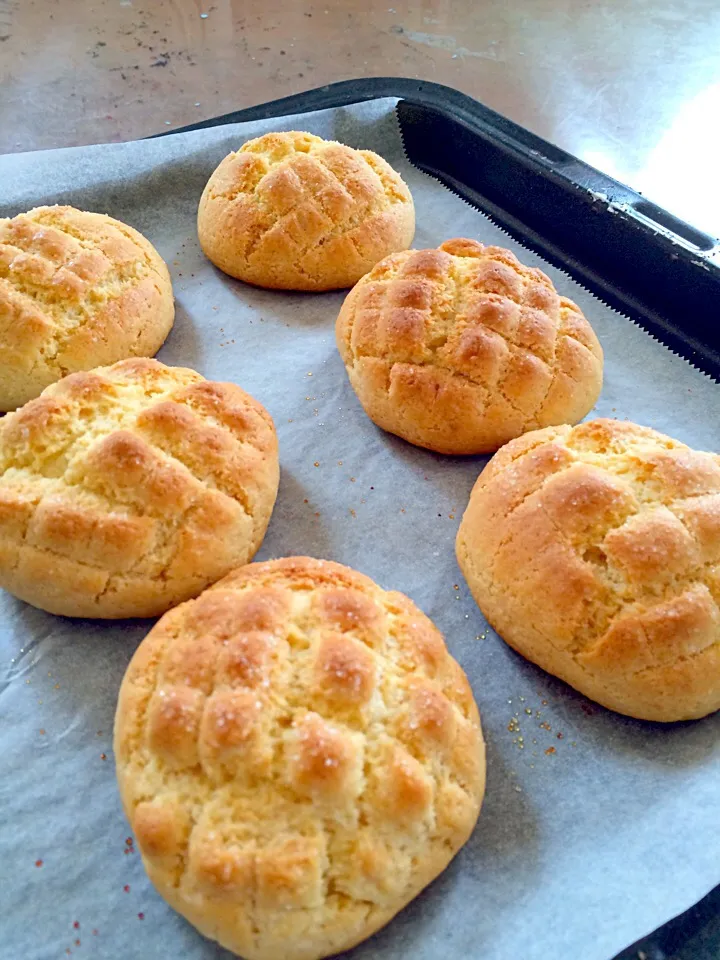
<point>683,263</point>
<point>461,106</point>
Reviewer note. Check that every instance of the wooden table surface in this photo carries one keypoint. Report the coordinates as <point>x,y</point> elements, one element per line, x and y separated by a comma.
<point>631,86</point>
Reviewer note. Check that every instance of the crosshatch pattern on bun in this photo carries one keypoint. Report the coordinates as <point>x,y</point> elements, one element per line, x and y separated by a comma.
<point>295,212</point>
<point>463,348</point>
<point>77,290</point>
<point>130,488</point>
<point>298,755</point>
<point>594,551</point>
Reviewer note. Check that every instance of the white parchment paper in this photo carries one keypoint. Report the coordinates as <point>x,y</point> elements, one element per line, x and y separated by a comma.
<point>578,852</point>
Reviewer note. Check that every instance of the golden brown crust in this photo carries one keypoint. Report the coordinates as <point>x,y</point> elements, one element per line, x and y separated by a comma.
<point>77,290</point>
<point>127,489</point>
<point>595,552</point>
<point>298,756</point>
<point>294,212</point>
<point>462,348</point>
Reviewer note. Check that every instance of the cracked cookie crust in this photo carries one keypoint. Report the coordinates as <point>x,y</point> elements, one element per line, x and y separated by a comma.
<point>594,551</point>
<point>292,211</point>
<point>127,489</point>
<point>298,755</point>
<point>463,348</point>
<point>77,290</point>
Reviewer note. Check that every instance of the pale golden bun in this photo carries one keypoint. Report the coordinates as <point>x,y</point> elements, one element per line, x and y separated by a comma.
<point>294,212</point>
<point>594,551</point>
<point>462,348</point>
<point>298,755</point>
<point>77,290</point>
<point>130,488</point>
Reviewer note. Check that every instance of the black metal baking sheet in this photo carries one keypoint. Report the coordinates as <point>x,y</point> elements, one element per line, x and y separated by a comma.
<point>639,258</point>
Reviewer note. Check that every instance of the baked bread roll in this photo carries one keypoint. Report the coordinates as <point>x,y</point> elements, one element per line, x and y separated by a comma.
<point>130,488</point>
<point>298,756</point>
<point>594,551</point>
<point>295,212</point>
<point>462,348</point>
<point>77,290</point>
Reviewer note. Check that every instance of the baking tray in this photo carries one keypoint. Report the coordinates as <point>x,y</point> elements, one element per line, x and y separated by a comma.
<point>640,259</point>
<point>535,814</point>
